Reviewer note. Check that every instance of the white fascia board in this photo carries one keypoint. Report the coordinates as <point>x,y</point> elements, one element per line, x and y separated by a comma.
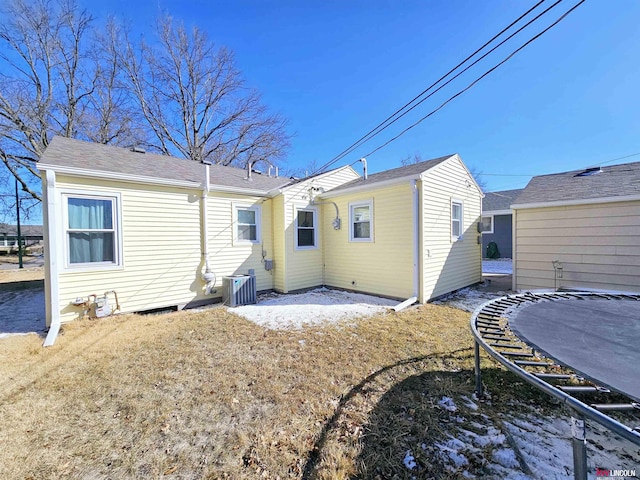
<point>243,191</point>
<point>121,177</point>
<point>369,186</point>
<point>573,203</point>
<point>496,212</point>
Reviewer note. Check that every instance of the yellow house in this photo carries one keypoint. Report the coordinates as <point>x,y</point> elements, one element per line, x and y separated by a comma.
<point>148,231</point>
<point>579,230</point>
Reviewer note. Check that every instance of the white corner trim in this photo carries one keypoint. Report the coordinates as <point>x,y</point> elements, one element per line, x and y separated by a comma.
<point>568,203</point>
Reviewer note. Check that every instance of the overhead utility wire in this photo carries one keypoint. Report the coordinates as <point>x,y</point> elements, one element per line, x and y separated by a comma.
<point>384,123</point>
<point>511,55</point>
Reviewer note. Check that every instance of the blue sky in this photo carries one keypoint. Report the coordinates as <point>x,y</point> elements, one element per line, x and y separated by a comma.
<point>337,68</point>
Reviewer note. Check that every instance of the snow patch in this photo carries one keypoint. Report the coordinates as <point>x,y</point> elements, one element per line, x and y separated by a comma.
<point>409,460</point>
<point>316,307</point>
<point>448,404</point>
<point>502,266</point>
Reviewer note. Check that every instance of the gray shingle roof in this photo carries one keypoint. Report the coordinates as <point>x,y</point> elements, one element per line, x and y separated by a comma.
<point>502,200</point>
<point>25,230</point>
<point>394,173</point>
<point>612,181</point>
<point>71,153</point>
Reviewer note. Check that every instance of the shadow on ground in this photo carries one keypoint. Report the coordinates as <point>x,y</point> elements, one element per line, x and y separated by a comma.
<point>22,308</point>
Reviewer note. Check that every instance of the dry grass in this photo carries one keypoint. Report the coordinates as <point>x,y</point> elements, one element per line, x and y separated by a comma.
<point>14,274</point>
<point>211,395</point>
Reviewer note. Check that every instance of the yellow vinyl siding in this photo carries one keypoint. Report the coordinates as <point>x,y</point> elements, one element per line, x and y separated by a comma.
<point>598,246</point>
<point>303,268</point>
<point>384,266</point>
<point>229,258</point>
<point>160,249</point>
<point>449,265</point>
<point>279,249</point>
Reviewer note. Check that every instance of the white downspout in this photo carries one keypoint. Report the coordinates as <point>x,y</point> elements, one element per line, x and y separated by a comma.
<point>208,276</point>
<point>51,256</point>
<point>514,253</point>
<point>416,240</point>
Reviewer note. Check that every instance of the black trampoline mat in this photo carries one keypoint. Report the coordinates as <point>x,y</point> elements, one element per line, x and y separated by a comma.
<point>599,339</point>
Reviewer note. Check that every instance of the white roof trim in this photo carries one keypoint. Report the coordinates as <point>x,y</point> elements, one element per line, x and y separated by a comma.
<point>584,201</point>
<point>369,186</point>
<point>83,172</point>
<point>496,212</point>
<point>321,175</point>
<point>121,177</point>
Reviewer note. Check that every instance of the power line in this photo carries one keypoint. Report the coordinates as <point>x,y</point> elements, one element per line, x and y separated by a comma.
<point>390,119</point>
<point>492,69</point>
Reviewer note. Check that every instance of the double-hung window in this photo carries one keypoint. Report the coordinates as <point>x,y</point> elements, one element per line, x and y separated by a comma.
<point>361,221</point>
<point>247,220</point>
<point>306,228</point>
<point>456,220</point>
<point>91,230</point>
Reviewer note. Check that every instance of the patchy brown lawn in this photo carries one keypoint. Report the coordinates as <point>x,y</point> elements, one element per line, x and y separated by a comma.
<point>211,395</point>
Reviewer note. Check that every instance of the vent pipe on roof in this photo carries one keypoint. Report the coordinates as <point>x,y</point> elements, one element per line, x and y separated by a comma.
<point>249,168</point>
<point>137,149</point>
<point>364,167</point>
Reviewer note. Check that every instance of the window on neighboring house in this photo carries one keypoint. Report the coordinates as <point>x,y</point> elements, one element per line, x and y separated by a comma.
<point>306,237</point>
<point>456,220</point>
<point>91,232</point>
<point>247,224</point>
<point>486,224</point>
<point>361,222</point>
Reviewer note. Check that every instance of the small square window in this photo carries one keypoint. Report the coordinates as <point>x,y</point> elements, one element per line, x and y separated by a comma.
<point>305,226</point>
<point>361,222</point>
<point>486,224</point>
<point>247,221</point>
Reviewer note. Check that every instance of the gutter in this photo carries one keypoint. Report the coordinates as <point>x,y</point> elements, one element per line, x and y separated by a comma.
<point>51,266</point>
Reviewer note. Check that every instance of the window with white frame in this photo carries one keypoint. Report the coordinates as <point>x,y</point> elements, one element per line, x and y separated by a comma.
<point>361,222</point>
<point>456,220</point>
<point>91,230</point>
<point>247,220</point>
<point>306,228</point>
<point>486,224</point>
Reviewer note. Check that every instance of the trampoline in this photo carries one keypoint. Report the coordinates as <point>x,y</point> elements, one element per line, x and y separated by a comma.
<point>597,338</point>
<point>594,336</point>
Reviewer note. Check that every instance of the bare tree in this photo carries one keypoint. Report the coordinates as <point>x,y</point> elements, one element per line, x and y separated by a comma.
<point>195,102</point>
<point>52,82</point>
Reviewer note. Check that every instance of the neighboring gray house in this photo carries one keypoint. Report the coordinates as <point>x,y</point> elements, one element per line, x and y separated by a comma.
<point>496,221</point>
<point>587,222</point>
<point>31,235</point>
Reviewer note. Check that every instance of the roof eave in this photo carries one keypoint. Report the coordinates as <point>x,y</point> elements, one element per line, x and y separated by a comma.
<point>369,186</point>
<point>576,202</point>
<point>87,173</point>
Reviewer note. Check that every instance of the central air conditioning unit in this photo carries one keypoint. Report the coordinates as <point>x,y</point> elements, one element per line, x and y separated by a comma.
<point>239,290</point>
